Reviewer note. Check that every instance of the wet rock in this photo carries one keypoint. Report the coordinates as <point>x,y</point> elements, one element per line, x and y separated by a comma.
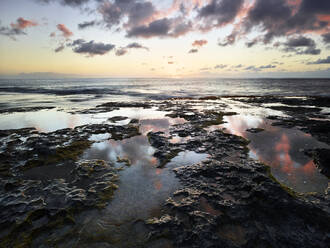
<point>316,101</point>
<point>111,106</point>
<point>30,207</point>
<point>295,110</point>
<point>25,109</point>
<point>321,158</point>
<point>255,130</point>
<point>225,204</point>
<point>165,150</point>
<point>117,118</point>
<point>134,121</point>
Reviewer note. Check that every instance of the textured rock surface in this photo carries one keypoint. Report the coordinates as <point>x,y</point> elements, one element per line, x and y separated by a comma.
<point>226,204</point>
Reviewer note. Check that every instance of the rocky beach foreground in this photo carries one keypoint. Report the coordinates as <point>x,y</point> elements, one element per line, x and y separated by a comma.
<point>182,173</point>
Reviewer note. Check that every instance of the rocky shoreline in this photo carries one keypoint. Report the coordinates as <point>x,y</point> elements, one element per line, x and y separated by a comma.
<point>227,200</point>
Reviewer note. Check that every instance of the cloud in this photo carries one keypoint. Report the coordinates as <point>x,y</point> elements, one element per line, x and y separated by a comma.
<point>140,18</point>
<point>72,3</point>
<point>193,51</point>
<point>320,61</point>
<point>238,66</point>
<point>52,34</point>
<point>91,48</point>
<point>86,24</point>
<point>65,31</point>
<point>199,43</point>
<point>17,28</point>
<point>326,38</point>
<point>301,45</point>
<point>219,12</point>
<point>11,32</point>
<point>136,45</point>
<point>205,69</point>
<point>60,48</point>
<point>267,67</point>
<point>136,12</point>
<point>165,27</point>
<point>252,42</point>
<point>221,66</point>
<point>260,68</point>
<point>170,62</point>
<point>123,50</point>
<point>22,23</point>
<point>279,18</point>
<point>267,20</point>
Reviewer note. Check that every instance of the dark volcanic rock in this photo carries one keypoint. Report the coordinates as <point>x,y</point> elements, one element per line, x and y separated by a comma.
<point>117,118</point>
<point>30,207</point>
<point>255,130</point>
<point>111,106</point>
<point>224,204</point>
<point>165,150</point>
<point>25,109</point>
<point>321,158</point>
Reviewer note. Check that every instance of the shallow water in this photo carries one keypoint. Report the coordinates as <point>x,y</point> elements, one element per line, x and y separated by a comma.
<point>143,188</point>
<point>45,120</point>
<point>282,149</point>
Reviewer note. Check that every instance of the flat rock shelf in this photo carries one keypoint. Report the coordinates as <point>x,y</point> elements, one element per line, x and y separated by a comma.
<point>184,172</point>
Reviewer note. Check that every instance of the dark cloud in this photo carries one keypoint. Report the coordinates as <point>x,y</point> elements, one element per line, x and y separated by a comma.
<point>59,49</point>
<point>278,18</point>
<point>301,45</point>
<point>73,3</point>
<point>136,12</point>
<point>251,43</point>
<point>193,51</point>
<point>320,61</point>
<point>260,68</point>
<point>136,45</point>
<point>326,38</point>
<point>219,12</point>
<point>17,28</point>
<point>139,18</point>
<point>229,40</point>
<point>252,68</point>
<point>91,48</point>
<point>11,32</point>
<point>86,24</point>
<point>267,67</point>
<point>221,66</point>
<point>238,66</point>
<point>300,42</point>
<point>121,51</point>
<point>165,27</point>
<point>157,28</point>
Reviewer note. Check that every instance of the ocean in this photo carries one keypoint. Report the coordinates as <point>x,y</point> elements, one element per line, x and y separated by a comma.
<point>82,91</point>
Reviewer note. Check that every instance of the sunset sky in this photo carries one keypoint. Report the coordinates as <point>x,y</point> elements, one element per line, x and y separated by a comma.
<point>166,38</point>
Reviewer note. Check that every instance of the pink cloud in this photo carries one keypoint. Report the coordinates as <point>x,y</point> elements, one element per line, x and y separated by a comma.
<point>22,23</point>
<point>65,31</point>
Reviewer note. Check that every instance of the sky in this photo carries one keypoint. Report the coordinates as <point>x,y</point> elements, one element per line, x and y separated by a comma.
<point>165,38</point>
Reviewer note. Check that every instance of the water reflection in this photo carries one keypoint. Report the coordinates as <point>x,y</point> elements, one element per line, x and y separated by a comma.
<point>52,120</point>
<point>143,188</point>
<point>282,149</point>
<point>45,120</point>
